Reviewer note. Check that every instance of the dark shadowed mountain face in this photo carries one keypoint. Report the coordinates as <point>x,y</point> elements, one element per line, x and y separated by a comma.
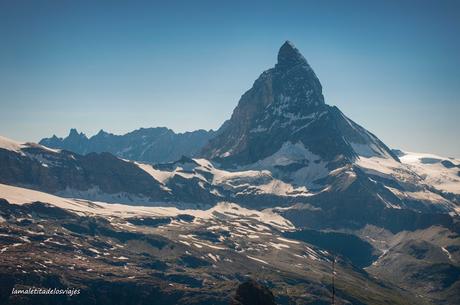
<point>153,145</point>
<point>102,176</point>
<point>286,104</point>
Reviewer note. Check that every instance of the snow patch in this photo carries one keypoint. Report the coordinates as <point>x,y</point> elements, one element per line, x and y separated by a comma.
<point>312,167</point>
<point>432,169</point>
<point>257,259</point>
<point>11,145</point>
<point>17,195</point>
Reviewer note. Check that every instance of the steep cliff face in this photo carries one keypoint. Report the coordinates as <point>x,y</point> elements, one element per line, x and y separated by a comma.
<point>286,104</point>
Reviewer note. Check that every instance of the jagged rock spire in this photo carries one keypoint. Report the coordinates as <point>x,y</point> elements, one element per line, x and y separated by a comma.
<point>73,132</point>
<point>289,56</point>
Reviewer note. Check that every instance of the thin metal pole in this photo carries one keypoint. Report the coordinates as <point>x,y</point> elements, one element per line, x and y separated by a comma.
<point>333,281</point>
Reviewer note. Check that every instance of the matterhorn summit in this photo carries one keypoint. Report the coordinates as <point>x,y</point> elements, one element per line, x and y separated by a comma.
<point>285,109</point>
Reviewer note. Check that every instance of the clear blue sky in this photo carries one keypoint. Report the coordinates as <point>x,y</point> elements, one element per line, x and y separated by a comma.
<point>392,66</point>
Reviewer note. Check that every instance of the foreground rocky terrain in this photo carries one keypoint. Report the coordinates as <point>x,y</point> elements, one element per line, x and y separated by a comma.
<point>168,256</point>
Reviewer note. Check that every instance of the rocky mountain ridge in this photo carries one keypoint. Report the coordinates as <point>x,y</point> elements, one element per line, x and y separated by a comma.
<point>152,145</point>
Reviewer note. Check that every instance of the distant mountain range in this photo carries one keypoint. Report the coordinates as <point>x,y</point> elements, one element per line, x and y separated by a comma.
<point>153,145</point>
<point>285,187</point>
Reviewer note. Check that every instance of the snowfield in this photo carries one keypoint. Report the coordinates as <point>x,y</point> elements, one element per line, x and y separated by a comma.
<point>17,195</point>
<point>312,166</point>
<point>12,145</point>
<point>249,181</point>
<point>431,170</point>
<point>9,144</point>
<point>442,173</point>
<point>423,177</point>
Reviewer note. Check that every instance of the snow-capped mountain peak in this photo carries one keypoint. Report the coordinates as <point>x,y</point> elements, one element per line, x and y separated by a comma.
<point>286,104</point>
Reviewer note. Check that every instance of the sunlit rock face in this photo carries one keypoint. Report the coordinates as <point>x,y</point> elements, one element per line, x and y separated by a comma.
<point>286,104</point>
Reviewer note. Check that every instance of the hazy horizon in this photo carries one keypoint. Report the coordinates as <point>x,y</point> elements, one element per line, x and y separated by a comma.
<point>117,66</point>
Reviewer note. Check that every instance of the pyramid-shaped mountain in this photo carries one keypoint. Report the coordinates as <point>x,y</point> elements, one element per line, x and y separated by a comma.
<point>284,111</point>
<point>283,125</point>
